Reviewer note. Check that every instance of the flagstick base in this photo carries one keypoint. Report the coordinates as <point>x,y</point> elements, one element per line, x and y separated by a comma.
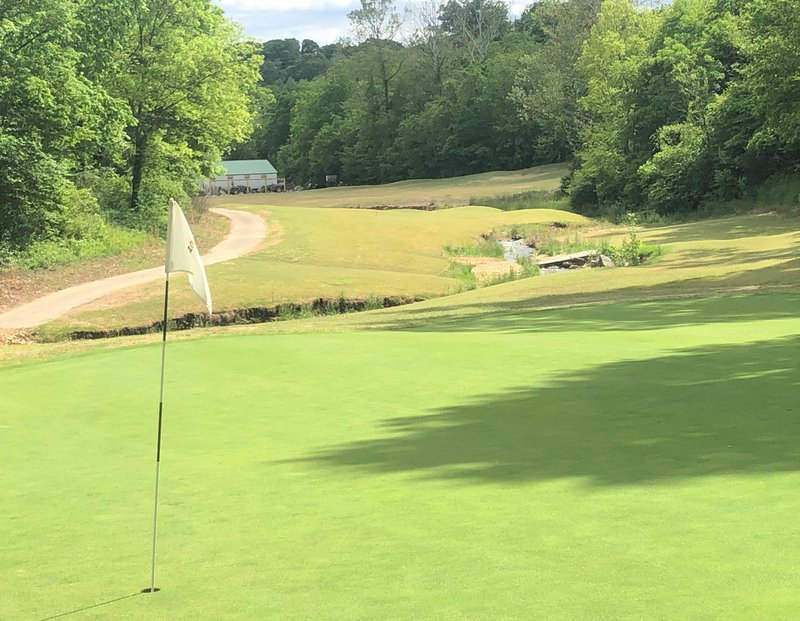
<point>150,590</point>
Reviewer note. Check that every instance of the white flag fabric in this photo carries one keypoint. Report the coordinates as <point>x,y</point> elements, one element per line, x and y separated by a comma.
<point>183,255</point>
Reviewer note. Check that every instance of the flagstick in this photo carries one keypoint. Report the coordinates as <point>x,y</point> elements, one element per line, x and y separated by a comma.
<point>158,445</point>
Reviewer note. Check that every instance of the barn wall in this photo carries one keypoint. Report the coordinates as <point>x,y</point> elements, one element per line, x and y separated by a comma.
<point>226,182</point>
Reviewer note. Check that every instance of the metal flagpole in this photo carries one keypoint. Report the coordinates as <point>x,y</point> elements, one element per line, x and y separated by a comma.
<point>152,588</point>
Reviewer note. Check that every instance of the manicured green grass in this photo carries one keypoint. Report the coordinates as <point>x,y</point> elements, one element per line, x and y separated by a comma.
<point>627,461</point>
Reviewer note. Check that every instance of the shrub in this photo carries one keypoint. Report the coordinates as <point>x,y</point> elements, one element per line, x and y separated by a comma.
<point>85,234</point>
<point>536,199</point>
<point>632,251</point>
<point>463,274</point>
<point>486,248</point>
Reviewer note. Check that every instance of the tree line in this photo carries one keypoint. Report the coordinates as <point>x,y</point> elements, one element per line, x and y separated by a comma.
<point>109,106</point>
<point>659,106</point>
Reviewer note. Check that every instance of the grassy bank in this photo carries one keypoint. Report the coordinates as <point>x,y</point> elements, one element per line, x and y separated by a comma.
<point>323,252</point>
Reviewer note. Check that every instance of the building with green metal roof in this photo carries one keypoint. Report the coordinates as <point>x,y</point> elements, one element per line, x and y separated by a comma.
<point>254,175</point>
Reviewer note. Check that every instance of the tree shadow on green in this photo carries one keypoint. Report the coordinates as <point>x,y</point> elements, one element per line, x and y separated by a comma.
<point>710,411</point>
<point>520,317</point>
<point>702,257</point>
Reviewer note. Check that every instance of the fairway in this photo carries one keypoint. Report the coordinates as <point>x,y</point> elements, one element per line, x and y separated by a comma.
<point>628,461</point>
<point>419,192</point>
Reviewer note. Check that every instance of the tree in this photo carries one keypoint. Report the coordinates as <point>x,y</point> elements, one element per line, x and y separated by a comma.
<point>279,55</point>
<point>431,39</point>
<point>474,24</point>
<point>617,46</point>
<point>377,24</point>
<point>53,120</point>
<point>186,77</point>
<point>695,57</point>
<point>318,104</point>
<point>548,87</point>
<point>774,29</point>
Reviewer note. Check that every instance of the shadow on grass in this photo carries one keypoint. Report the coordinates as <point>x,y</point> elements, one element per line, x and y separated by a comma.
<point>85,608</point>
<point>523,317</point>
<point>732,256</point>
<point>722,229</point>
<point>709,411</point>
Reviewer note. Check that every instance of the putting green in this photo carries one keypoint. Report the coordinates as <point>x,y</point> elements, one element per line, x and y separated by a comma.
<point>627,461</point>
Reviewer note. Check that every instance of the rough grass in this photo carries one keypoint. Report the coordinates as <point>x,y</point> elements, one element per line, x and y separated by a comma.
<point>597,462</point>
<point>533,199</point>
<point>323,253</point>
<point>485,248</point>
<point>400,254</point>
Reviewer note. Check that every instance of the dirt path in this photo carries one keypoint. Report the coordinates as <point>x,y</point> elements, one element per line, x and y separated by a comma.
<point>247,231</point>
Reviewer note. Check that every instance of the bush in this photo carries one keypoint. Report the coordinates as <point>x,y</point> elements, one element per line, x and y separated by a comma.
<point>632,251</point>
<point>32,184</point>
<point>486,248</point>
<point>680,174</point>
<point>85,235</point>
<point>536,199</point>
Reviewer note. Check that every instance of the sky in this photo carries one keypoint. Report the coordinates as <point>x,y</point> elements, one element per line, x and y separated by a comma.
<point>323,21</point>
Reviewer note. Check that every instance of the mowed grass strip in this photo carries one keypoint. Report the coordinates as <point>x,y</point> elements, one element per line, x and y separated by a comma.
<point>625,461</point>
<point>414,192</point>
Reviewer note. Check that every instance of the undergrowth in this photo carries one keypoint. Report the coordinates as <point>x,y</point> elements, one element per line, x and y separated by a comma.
<point>780,194</point>
<point>486,248</point>
<point>108,240</point>
<point>633,250</point>
<point>535,199</point>
<point>550,240</point>
<point>463,274</point>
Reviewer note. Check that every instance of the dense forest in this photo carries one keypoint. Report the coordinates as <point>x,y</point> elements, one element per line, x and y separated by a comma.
<point>109,106</point>
<point>660,106</point>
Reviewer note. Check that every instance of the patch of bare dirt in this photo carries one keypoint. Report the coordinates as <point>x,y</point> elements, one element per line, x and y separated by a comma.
<point>487,268</point>
<point>16,337</point>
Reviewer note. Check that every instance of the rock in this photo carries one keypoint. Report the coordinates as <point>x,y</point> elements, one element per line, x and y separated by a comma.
<point>606,261</point>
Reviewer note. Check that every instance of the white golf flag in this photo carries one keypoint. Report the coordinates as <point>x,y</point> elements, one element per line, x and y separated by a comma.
<point>183,255</point>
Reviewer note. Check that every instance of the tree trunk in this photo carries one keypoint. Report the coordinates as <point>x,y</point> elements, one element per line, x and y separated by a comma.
<point>137,172</point>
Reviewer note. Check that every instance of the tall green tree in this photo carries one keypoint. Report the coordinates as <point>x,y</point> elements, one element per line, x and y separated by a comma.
<point>377,24</point>
<point>548,87</point>
<point>474,25</point>
<point>610,61</point>
<point>667,128</point>
<point>432,40</point>
<point>52,118</point>
<point>186,77</point>
<point>773,29</point>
